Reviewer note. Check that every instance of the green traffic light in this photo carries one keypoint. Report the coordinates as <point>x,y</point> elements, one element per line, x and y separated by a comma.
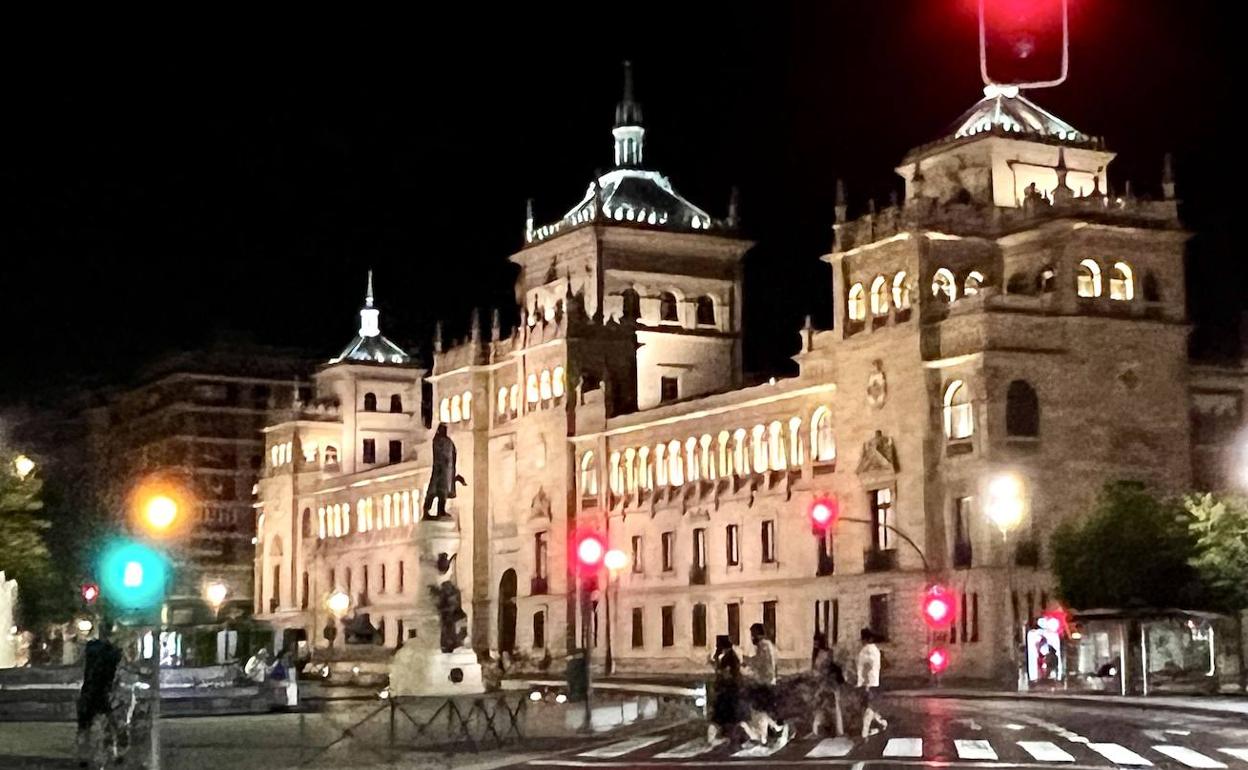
<point>133,576</point>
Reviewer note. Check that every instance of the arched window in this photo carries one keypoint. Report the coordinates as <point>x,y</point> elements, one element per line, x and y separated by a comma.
<point>331,455</point>
<point>693,464</point>
<point>644,470</point>
<point>320,523</point>
<point>362,515</point>
<point>545,385</point>
<point>1088,280</point>
<point>857,303</point>
<point>1022,410</point>
<point>396,403</point>
<point>513,399</point>
<point>959,416</point>
<point>660,465</point>
<point>444,410</point>
<point>632,304</point>
<point>879,296</point>
<point>502,401</point>
<point>386,520</point>
<point>370,402</point>
<point>758,440</point>
<point>456,413</point>
<point>669,311</point>
<point>822,442</point>
<point>724,449</point>
<point>675,464</point>
<point>589,475</point>
<point>1046,281</point>
<point>974,280</point>
<point>467,405</point>
<point>796,455</point>
<point>901,291</point>
<point>306,523</point>
<point>740,452</point>
<point>775,446</point>
<point>531,393</point>
<point>1121,282</point>
<point>557,385</point>
<point>704,311</point>
<point>630,480</point>
<point>707,460</point>
<point>944,287</point>
<point>407,507</point>
<point>617,483</point>
<point>346,518</point>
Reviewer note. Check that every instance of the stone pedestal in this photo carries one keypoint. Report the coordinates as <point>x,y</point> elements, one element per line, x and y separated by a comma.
<point>421,667</point>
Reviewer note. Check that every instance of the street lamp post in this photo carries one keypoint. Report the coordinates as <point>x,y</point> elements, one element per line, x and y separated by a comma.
<point>1005,510</point>
<point>338,603</point>
<point>615,560</point>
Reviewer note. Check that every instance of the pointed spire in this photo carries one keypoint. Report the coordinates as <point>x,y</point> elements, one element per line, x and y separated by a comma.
<point>841,208</point>
<point>1167,177</point>
<point>474,327</point>
<point>734,204</point>
<point>628,132</point>
<point>496,326</point>
<point>528,220</point>
<point>368,295</point>
<point>628,111</point>
<point>437,337</point>
<point>369,326</point>
<point>1062,193</point>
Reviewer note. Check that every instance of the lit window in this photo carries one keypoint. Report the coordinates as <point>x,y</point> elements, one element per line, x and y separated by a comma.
<point>675,464</point>
<point>775,445</point>
<point>974,280</point>
<point>385,511</point>
<point>725,454</point>
<point>958,413</point>
<point>320,523</point>
<point>275,456</point>
<point>693,466</point>
<point>514,399</point>
<point>740,452</point>
<point>705,311</point>
<point>530,390</point>
<point>589,475</point>
<point>707,461</point>
<point>557,385</point>
<point>822,442</point>
<point>545,385</point>
<point>944,287</point>
<point>331,455</point>
<point>758,439</point>
<point>617,483</point>
<point>1046,281</point>
<point>1121,282</point>
<point>467,405</point>
<point>669,311</point>
<point>456,413</point>
<point>407,507</point>
<point>630,481</point>
<point>1088,282</point>
<point>901,291</point>
<point>795,441</point>
<point>882,518</point>
<point>645,474</point>
<point>879,296</point>
<point>857,303</point>
<point>502,401</point>
<point>444,410</point>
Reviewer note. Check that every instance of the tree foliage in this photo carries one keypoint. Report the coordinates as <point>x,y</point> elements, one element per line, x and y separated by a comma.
<point>1220,526</point>
<point>1132,549</point>
<point>23,549</point>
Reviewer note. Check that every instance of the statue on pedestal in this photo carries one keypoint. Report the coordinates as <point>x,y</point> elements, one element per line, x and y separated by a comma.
<point>443,478</point>
<point>451,616</point>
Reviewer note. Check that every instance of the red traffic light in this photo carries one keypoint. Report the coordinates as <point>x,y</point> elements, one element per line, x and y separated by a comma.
<point>823,512</point>
<point>937,607</point>
<point>590,549</point>
<point>90,592</point>
<point>937,660</point>
<point>1053,621</point>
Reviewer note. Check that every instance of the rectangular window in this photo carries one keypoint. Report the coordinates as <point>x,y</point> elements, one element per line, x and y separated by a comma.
<point>975,617</point>
<point>734,623</point>
<point>333,579</point>
<point>734,546</point>
<point>593,614</point>
<point>825,563</point>
<point>769,542</point>
<point>669,628</point>
<point>364,588</point>
<point>769,620</point>
<point>879,616</point>
<point>963,513</point>
<point>382,588</point>
<point>882,520</point>
<point>303,601</point>
<point>639,635</point>
<point>396,451</point>
<point>539,629</point>
<point>828,619</point>
<point>400,634</point>
<point>669,549</point>
<point>370,450</point>
<point>638,550</point>
<point>699,548</point>
<point>540,547</point>
<point>400,577</point>
<point>669,389</point>
<point>699,625</point>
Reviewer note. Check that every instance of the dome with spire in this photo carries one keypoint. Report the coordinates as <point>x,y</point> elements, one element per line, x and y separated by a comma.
<point>369,346</point>
<point>630,193</point>
<point>1003,109</point>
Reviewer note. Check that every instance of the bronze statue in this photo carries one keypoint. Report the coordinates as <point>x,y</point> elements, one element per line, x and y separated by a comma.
<point>443,478</point>
<point>451,615</point>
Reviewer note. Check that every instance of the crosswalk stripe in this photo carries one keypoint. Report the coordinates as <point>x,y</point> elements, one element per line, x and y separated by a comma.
<point>831,747</point>
<point>1237,753</point>
<point>904,747</point>
<point>968,749</point>
<point>1189,757</point>
<point>613,750</point>
<point>764,750</point>
<point>1119,754</point>
<point>1045,751</point>
<point>685,750</point>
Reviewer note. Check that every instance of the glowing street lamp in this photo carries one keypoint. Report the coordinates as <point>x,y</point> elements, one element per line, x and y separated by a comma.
<point>615,560</point>
<point>23,466</point>
<point>216,592</point>
<point>159,512</point>
<point>1005,502</point>
<point>338,603</point>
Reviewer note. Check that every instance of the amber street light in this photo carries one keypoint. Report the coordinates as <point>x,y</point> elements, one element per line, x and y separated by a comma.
<point>215,592</point>
<point>23,465</point>
<point>338,603</point>
<point>1005,510</point>
<point>615,561</point>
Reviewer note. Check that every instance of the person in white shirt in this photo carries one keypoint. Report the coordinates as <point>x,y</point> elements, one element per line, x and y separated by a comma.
<point>869,681</point>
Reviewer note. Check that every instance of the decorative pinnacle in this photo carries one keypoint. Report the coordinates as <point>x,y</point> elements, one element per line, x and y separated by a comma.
<point>1167,177</point>
<point>368,295</point>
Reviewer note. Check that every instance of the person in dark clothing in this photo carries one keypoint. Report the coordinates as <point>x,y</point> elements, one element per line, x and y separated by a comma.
<point>726,695</point>
<point>442,478</point>
<point>101,658</point>
<point>827,678</point>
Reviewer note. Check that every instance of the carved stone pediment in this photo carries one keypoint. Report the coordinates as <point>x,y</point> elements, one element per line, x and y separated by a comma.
<point>539,508</point>
<point>879,456</point>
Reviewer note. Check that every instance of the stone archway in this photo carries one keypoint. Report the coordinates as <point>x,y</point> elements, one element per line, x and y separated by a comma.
<point>507,612</point>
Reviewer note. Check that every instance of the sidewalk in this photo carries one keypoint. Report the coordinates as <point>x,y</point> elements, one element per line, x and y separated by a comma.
<point>1221,704</point>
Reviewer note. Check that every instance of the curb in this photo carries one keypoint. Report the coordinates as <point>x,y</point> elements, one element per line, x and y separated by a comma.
<point>1117,701</point>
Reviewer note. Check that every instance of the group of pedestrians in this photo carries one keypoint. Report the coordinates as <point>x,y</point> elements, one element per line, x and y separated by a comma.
<point>747,706</point>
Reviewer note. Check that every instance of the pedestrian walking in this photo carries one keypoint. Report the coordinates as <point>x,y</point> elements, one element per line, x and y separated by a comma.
<point>869,681</point>
<point>827,680</point>
<point>726,693</point>
<point>100,660</point>
<point>762,690</point>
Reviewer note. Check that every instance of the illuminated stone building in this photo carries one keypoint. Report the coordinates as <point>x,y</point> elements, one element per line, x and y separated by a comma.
<point>1008,337</point>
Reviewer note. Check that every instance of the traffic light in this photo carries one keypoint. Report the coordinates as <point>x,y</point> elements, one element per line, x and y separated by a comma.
<point>159,506</point>
<point>590,550</point>
<point>133,576</point>
<point>90,592</point>
<point>1054,621</point>
<point>1023,43</point>
<point>937,660</point>
<point>937,607</point>
<point>823,513</point>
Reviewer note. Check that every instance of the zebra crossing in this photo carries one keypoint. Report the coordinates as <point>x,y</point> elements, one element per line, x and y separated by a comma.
<point>909,751</point>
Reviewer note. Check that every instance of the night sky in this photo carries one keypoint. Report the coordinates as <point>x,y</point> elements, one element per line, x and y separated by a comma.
<point>238,175</point>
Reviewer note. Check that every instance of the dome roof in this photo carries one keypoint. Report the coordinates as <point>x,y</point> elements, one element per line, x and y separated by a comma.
<point>369,346</point>
<point>1004,110</point>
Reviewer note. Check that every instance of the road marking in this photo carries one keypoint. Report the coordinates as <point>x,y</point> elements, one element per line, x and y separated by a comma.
<point>1119,754</point>
<point>1189,757</point>
<point>1179,732</point>
<point>974,749</point>
<point>1045,751</point>
<point>685,750</point>
<point>613,750</point>
<point>831,747</point>
<point>761,750</point>
<point>1237,753</point>
<point>904,747</point>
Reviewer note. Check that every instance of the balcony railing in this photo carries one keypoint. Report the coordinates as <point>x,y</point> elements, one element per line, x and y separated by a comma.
<point>875,560</point>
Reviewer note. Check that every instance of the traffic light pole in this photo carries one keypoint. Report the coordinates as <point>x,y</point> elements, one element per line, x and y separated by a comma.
<point>583,599</point>
<point>154,748</point>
